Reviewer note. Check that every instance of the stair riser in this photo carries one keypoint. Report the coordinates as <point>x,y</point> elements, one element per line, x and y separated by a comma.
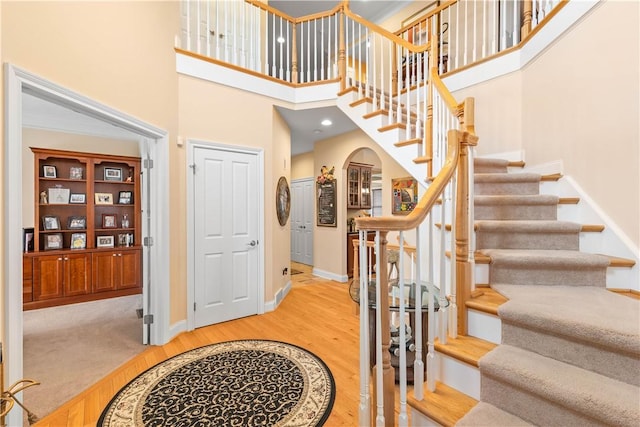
<point>459,375</point>
<point>484,326</point>
<point>522,240</point>
<point>611,363</point>
<point>516,212</point>
<point>530,407</point>
<point>505,188</point>
<point>549,276</point>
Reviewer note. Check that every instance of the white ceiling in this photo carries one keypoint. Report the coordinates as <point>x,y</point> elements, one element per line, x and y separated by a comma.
<point>304,124</point>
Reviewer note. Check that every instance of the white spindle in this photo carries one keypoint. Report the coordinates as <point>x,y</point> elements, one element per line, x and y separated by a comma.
<point>371,69</point>
<point>403,419</point>
<point>281,47</point>
<point>465,57</point>
<point>457,46</point>
<point>475,32</point>
<point>234,32</point>
<point>399,50</point>
<point>471,218</point>
<point>359,75</point>
<point>418,365</point>
<point>208,27</point>
<point>322,49</point>
<point>442,334</point>
<point>485,37</point>
<point>364,407</point>
<point>187,13</point>
<point>289,47</point>
<point>315,50</point>
<point>301,58</point>
<point>335,42</point>
<point>503,25</point>
<point>391,68</point>
<point>431,366</point>
<point>494,28</point>
<point>379,383</point>
<point>515,38</point>
<point>453,307</point>
<point>548,7</point>
<point>308,52</point>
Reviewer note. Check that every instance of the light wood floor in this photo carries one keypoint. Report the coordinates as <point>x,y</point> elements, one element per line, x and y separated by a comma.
<point>317,315</point>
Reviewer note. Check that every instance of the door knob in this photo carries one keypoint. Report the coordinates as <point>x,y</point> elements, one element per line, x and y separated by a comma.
<point>252,243</point>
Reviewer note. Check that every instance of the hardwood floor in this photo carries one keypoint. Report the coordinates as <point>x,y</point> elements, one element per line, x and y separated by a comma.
<point>317,315</point>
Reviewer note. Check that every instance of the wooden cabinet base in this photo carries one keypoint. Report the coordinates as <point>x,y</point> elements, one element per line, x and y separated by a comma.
<point>80,298</point>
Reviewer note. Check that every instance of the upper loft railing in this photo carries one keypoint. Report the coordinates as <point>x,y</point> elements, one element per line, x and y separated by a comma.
<point>255,37</point>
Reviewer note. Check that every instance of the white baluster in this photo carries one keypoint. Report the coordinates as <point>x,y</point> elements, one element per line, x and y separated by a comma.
<point>379,383</point>
<point>403,419</point>
<point>503,25</point>
<point>457,47</point>
<point>365,400</point>
<point>475,31</point>
<point>466,38</point>
<point>431,367</point>
<point>516,24</point>
<point>322,49</point>
<point>453,307</point>
<point>289,47</point>
<point>485,36</point>
<point>442,335</point>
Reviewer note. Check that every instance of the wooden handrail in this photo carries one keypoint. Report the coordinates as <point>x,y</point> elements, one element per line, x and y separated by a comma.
<point>419,213</point>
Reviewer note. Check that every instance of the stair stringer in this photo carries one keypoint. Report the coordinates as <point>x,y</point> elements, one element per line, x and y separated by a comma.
<point>386,140</point>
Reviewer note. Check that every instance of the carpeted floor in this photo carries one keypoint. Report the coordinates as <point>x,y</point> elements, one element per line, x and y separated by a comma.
<point>243,383</point>
<point>68,348</point>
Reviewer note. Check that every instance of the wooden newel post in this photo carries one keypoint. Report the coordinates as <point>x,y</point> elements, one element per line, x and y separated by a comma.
<point>388,373</point>
<point>527,14</point>
<point>294,57</point>
<point>342,62</point>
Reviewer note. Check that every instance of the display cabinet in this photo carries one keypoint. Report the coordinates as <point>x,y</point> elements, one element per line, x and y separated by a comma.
<point>359,186</point>
<point>86,208</point>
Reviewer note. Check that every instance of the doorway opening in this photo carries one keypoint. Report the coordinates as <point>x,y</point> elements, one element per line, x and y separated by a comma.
<point>153,143</point>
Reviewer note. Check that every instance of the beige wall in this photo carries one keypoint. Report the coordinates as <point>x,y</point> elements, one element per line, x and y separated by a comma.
<point>329,243</point>
<point>581,105</point>
<point>119,54</point>
<point>204,117</point>
<point>302,166</point>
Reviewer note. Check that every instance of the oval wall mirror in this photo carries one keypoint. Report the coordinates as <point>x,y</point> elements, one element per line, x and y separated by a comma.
<point>283,200</point>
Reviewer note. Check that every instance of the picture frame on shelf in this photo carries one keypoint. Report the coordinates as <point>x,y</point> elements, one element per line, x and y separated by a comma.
<point>125,197</point>
<point>78,198</point>
<point>109,221</point>
<point>59,195</point>
<point>49,171</point>
<point>28,233</point>
<point>78,241</point>
<point>77,223</point>
<point>112,174</point>
<point>104,198</point>
<point>50,222</point>
<point>76,172</point>
<point>52,241</point>
<point>104,241</point>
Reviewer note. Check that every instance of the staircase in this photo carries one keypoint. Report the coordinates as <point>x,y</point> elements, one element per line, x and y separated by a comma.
<point>547,344</point>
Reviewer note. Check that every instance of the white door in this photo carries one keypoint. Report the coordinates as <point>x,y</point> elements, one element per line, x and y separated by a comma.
<point>226,228</point>
<point>302,205</point>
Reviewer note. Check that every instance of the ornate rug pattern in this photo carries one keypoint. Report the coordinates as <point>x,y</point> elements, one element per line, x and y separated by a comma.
<point>234,383</point>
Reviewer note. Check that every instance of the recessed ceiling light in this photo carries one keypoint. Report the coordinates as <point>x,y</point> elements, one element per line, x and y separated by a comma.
<point>317,131</point>
<point>326,122</point>
<point>280,39</point>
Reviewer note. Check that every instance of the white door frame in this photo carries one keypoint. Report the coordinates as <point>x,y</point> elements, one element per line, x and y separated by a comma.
<point>17,81</point>
<point>191,145</point>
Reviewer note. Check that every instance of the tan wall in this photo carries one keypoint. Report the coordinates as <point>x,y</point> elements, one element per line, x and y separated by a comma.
<point>119,54</point>
<point>204,117</point>
<point>61,141</point>
<point>581,105</point>
<point>302,166</point>
<point>329,243</point>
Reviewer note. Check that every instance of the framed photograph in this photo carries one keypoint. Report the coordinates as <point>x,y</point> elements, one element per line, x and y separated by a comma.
<point>78,240</point>
<point>112,174</point>
<point>50,222</point>
<point>123,240</point>
<point>59,196</point>
<point>27,234</point>
<point>104,241</point>
<point>109,221</point>
<point>79,198</point>
<point>77,223</point>
<point>76,172</point>
<point>404,195</point>
<point>52,241</point>
<point>125,197</point>
<point>49,171</point>
<point>104,198</point>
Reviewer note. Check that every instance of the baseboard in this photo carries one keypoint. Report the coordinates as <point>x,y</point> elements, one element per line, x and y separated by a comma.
<point>331,276</point>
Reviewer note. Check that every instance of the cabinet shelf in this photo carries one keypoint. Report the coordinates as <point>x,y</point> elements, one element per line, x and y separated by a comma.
<point>60,274</point>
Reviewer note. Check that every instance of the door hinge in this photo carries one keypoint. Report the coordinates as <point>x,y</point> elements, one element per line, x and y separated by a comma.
<point>148,241</point>
<point>193,167</point>
<point>147,163</point>
<point>147,319</point>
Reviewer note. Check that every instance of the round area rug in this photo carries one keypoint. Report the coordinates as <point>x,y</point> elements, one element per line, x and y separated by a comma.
<point>234,383</point>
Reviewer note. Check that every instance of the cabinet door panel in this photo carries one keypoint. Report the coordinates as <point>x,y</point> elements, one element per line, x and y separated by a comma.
<point>104,269</point>
<point>130,271</point>
<point>48,277</point>
<point>77,278</point>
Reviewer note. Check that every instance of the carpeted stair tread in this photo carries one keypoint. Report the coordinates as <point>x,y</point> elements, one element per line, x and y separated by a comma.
<point>546,267</point>
<point>573,392</point>
<point>506,177</point>
<point>506,183</point>
<point>485,414</point>
<point>486,165</point>
<point>511,207</point>
<point>527,234</point>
